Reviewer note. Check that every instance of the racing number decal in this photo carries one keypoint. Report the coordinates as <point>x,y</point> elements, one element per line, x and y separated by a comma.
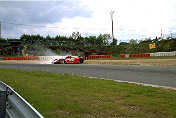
<point>70,60</point>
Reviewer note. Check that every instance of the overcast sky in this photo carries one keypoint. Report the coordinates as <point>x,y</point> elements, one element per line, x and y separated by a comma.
<point>133,19</point>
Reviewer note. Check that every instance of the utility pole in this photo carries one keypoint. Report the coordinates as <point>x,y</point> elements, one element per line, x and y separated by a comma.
<point>161,34</point>
<point>171,35</point>
<point>112,12</point>
<point>0,29</point>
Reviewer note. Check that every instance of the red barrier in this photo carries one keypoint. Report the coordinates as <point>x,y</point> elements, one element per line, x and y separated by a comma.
<point>147,55</point>
<point>136,55</point>
<point>21,58</point>
<point>99,56</point>
<point>122,55</point>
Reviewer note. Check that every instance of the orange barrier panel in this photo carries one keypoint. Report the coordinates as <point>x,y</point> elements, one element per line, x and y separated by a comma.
<point>21,58</point>
<point>4,58</point>
<point>122,55</point>
<point>135,55</point>
<point>131,55</point>
<point>147,54</point>
<point>99,56</point>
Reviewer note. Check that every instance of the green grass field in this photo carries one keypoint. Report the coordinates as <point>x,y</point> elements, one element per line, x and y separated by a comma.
<point>65,96</point>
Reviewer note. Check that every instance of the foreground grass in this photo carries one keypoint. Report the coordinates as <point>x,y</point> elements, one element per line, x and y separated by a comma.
<point>56,95</point>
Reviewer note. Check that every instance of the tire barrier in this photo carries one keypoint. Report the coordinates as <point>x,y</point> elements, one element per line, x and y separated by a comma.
<point>99,56</point>
<point>21,58</point>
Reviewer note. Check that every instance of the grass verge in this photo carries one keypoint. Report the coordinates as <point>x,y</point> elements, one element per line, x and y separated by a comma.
<point>62,96</point>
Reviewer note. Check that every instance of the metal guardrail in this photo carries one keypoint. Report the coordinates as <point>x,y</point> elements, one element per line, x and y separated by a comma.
<point>16,106</point>
<point>2,104</point>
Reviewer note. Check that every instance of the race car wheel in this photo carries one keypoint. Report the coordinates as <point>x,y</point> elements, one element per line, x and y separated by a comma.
<point>56,62</point>
<point>62,61</point>
<point>81,60</point>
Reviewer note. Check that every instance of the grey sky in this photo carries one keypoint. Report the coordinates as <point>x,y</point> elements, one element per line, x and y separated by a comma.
<point>37,13</point>
<point>132,19</point>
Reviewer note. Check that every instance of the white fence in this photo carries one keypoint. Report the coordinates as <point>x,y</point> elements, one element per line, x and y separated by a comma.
<point>158,54</point>
<point>50,57</point>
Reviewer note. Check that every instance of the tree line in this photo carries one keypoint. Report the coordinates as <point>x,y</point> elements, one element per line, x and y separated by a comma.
<point>74,40</point>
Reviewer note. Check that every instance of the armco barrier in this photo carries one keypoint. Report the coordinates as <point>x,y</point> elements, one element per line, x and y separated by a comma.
<point>21,58</point>
<point>16,106</point>
<point>99,56</point>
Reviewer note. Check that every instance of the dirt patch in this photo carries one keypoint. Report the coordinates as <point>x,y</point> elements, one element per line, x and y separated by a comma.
<point>153,62</point>
<point>156,62</point>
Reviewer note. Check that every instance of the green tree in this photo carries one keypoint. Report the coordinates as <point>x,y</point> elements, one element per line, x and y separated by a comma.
<point>133,41</point>
<point>77,39</point>
<point>48,37</point>
<point>92,40</point>
<point>148,39</point>
<point>2,41</point>
<point>75,35</point>
<point>114,42</point>
<point>104,39</point>
<point>61,40</point>
<point>25,38</point>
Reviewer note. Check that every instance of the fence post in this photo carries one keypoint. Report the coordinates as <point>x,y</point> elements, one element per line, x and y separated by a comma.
<point>3,104</point>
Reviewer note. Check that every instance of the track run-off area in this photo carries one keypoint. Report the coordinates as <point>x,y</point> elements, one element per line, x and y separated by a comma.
<point>162,76</point>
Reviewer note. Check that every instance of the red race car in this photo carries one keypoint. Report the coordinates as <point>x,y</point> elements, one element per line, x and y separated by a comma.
<point>69,60</point>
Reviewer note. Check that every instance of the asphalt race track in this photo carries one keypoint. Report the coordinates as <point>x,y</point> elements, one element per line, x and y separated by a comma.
<point>155,75</point>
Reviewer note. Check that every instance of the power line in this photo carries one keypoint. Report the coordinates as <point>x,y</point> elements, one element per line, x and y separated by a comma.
<point>44,10</point>
<point>76,28</point>
<point>42,26</point>
<point>27,25</point>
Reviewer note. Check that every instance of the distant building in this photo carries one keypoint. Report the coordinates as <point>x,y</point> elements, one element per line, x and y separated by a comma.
<point>123,43</point>
<point>148,41</point>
